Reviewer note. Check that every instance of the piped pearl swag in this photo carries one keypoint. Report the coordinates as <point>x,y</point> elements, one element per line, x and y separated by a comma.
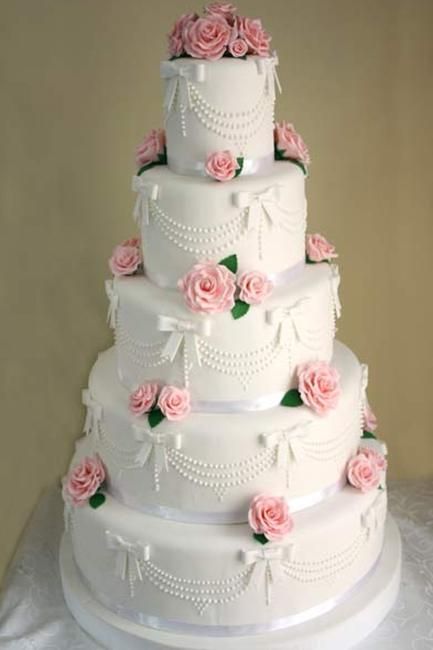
<point>155,446</point>
<point>113,305</point>
<point>145,192</point>
<point>128,558</point>
<point>93,415</point>
<point>288,443</point>
<point>267,564</point>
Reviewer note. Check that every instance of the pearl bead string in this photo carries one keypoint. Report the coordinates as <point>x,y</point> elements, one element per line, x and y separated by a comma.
<point>144,355</point>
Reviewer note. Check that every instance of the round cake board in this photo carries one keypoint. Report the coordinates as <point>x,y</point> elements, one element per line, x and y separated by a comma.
<point>342,628</point>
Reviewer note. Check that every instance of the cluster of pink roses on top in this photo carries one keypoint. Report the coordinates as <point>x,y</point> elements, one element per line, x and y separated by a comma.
<point>365,470</point>
<point>173,402</point>
<point>269,517</point>
<point>84,480</point>
<point>210,288</point>
<point>289,145</point>
<point>216,34</point>
<point>126,258</point>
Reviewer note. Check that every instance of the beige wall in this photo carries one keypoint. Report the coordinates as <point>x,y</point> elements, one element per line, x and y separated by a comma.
<point>80,86</point>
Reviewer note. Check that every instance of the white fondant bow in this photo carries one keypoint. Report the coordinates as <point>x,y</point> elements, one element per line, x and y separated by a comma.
<point>155,446</point>
<point>374,515</point>
<point>267,562</point>
<point>288,320</point>
<point>128,557</point>
<point>113,303</point>
<point>268,66</point>
<point>178,78</point>
<point>183,332</point>
<point>145,193</point>
<point>335,284</point>
<point>94,412</point>
<point>259,204</point>
<point>288,443</point>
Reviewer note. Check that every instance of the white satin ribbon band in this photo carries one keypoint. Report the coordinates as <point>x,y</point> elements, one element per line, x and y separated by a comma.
<point>178,77</point>
<point>156,445</point>
<point>287,319</point>
<point>267,564</point>
<point>94,412</point>
<point>113,305</point>
<point>158,623</point>
<point>260,204</point>
<point>233,517</point>
<point>238,406</point>
<point>145,192</point>
<point>183,333</point>
<point>193,167</point>
<point>335,284</point>
<point>128,556</point>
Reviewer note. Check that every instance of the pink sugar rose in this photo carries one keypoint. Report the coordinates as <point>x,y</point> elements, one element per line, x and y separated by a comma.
<point>238,48</point>
<point>133,241</point>
<point>363,472</point>
<point>208,288</point>
<point>375,457</point>
<point>254,287</point>
<point>319,386</point>
<point>369,418</point>
<point>175,36</point>
<point>251,31</point>
<point>319,249</point>
<point>175,403</point>
<point>125,260</point>
<point>270,517</point>
<point>224,9</point>
<point>143,398</point>
<point>290,142</point>
<point>84,480</point>
<point>152,146</point>
<point>221,165</point>
<point>207,38</point>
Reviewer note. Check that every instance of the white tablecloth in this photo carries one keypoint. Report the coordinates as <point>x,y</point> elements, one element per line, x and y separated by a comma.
<point>33,615</point>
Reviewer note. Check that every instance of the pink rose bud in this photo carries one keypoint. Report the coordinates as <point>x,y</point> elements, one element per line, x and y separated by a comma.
<point>224,9</point>
<point>363,472</point>
<point>254,287</point>
<point>375,457</point>
<point>175,36</point>
<point>208,288</point>
<point>207,38</point>
<point>290,142</point>
<point>319,386</point>
<point>369,418</point>
<point>269,516</point>
<point>152,146</point>
<point>319,249</point>
<point>133,241</point>
<point>125,260</point>
<point>251,31</point>
<point>238,48</point>
<point>83,480</point>
<point>175,403</point>
<point>221,165</point>
<point>143,398</point>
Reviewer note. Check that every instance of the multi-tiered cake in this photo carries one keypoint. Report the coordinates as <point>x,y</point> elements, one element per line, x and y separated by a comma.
<point>230,484</point>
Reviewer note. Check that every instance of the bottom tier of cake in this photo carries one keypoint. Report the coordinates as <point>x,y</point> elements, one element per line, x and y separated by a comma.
<point>347,621</point>
<point>218,578</point>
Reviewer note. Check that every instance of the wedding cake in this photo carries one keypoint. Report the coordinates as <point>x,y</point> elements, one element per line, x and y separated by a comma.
<point>230,485</point>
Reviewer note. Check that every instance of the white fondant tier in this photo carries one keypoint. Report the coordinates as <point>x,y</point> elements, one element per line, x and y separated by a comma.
<point>188,577</point>
<point>209,467</point>
<point>244,364</point>
<point>188,219</point>
<point>217,105</point>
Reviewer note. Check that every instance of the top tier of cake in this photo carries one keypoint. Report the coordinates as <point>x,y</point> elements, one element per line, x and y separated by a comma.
<point>219,105</point>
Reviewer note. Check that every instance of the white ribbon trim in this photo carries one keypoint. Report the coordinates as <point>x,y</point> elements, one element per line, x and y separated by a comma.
<point>267,564</point>
<point>183,334</point>
<point>113,305</point>
<point>128,558</point>
<point>178,77</point>
<point>287,319</point>
<point>260,204</point>
<point>93,414</point>
<point>155,444</point>
<point>288,443</point>
<point>145,193</point>
<point>269,67</point>
<point>335,284</point>
<point>194,167</point>
<point>374,515</point>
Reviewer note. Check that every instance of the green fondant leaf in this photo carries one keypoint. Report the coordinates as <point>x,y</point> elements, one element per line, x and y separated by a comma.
<point>279,154</point>
<point>259,537</point>
<point>299,164</point>
<point>230,262</point>
<point>308,261</point>
<point>97,500</point>
<point>368,435</point>
<point>155,417</point>
<point>292,398</point>
<point>162,157</point>
<point>240,162</point>
<point>240,309</point>
<point>145,168</point>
